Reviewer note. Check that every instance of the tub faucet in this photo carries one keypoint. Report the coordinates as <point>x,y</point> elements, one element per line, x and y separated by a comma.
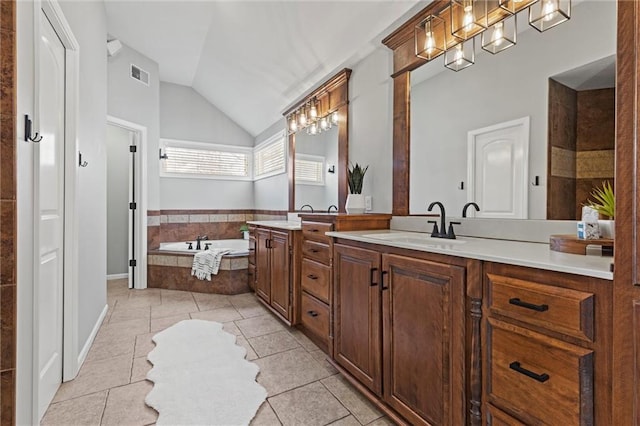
<point>332,206</point>
<point>443,221</point>
<point>198,239</point>
<point>466,206</point>
<point>306,205</point>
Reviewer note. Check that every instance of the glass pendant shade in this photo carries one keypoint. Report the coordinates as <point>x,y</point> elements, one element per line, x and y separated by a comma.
<point>461,55</point>
<point>293,124</point>
<point>500,36</point>
<point>468,18</point>
<point>515,6</point>
<point>313,129</point>
<point>313,111</point>
<point>324,123</point>
<point>302,119</point>
<point>334,117</point>
<point>547,14</point>
<point>430,37</point>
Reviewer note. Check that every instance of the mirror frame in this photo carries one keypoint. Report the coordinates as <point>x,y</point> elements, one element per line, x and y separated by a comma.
<point>332,95</point>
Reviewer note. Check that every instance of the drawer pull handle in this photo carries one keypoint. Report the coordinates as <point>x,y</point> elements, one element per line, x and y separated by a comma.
<point>373,272</point>
<point>312,313</point>
<point>312,277</point>
<point>540,308</point>
<point>313,230</point>
<point>515,365</point>
<point>313,250</point>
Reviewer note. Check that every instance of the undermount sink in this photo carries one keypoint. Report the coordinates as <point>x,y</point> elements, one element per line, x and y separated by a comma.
<point>414,238</point>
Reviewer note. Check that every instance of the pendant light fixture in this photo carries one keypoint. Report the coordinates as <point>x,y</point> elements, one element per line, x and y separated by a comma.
<point>468,18</point>
<point>293,123</point>
<point>500,36</point>
<point>335,118</point>
<point>515,6</point>
<point>547,14</point>
<point>461,56</point>
<point>430,37</point>
<point>313,110</point>
<point>302,118</point>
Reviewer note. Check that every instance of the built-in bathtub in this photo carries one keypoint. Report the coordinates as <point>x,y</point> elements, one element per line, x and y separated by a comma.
<point>169,267</point>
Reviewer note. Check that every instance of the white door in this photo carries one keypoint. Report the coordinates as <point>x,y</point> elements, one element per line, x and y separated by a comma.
<point>50,202</point>
<point>498,169</point>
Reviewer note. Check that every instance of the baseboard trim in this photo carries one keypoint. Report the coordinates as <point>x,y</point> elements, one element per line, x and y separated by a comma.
<point>117,276</point>
<point>87,345</point>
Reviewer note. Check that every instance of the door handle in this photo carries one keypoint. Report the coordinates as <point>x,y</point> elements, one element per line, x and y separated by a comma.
<point>384,274</point>
<point>372,272</point>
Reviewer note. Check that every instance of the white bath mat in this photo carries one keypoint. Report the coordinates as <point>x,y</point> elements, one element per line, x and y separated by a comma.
<point>200,377</point>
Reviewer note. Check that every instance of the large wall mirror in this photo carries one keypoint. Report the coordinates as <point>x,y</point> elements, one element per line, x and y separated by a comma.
<point>560,82</point>
<point>318,156</point>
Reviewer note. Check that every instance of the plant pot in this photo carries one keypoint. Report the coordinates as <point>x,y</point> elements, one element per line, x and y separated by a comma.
<point>354,204</point>
<point>245,235</point>
<point>607,228</point>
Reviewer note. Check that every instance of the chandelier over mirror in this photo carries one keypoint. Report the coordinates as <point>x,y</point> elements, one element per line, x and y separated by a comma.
<point>453,29</point>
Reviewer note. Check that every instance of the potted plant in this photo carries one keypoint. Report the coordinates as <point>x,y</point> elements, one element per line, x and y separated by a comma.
<point>245,231</point>
<point>604,202</point>
<point>355,200</point>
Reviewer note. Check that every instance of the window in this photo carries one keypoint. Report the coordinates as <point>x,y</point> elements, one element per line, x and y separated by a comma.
<point>309,169</point>
<point>269,158</point>
<point>203,160</point>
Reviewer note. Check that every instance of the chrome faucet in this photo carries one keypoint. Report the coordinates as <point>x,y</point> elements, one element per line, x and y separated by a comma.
<point>200,238</point>
<point>466,206</point>
<point>307,205</point>
<point>332,206</point>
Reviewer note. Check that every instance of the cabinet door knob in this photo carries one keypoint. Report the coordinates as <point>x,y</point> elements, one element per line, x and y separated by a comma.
<point>312,313</point>
<point>515,365</point>
<point>312,277</point>
<point>540,308</point>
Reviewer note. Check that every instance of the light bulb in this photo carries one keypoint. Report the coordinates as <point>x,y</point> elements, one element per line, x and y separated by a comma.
<point>498,35</point>
<point>293,125</point>
<point>303,119</point>
<point>467,20</point>
<point>549,10</point>
<point>313,112</point>
<point>324,124</point>
<point>334,117</point>
<point>458,56</point>
<point>429,43</point>
<point>313,129</point>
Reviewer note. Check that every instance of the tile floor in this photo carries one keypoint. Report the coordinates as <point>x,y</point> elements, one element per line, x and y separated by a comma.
<point>110,389</point>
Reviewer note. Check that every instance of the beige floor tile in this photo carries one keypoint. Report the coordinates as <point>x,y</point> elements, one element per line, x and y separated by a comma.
<point>219,315</point>
<point>287,370</point>
<point>251,354</point>
<point>125,405</point>
<point>141,298</point>
<point>383,421</point>
<point>273,343</point>
<point>84,410</point>
<point>169,309</point>
<point>140,368</point>
<point>109,345</point>
<point>96,376</point>
<point>231,327</point>
<point>144,344</point>
<point>173,296</point>
<point>244,299</point>
<point>346,421</point>
<point>304,341</point>
<point>265,416</point>
<point>159,324</point>
<point>322,358</point>
<point>207,302</point>
<point>125,328</point>
<point>309,405</point>
<point>126,313</point>
<point>252,311</point>
<point>355,402</point>
<point>258,326</point>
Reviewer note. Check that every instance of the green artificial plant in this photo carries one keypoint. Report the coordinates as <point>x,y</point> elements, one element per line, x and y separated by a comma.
<point>355,177</point>
<point>244,228</point>
<point>605,200</point>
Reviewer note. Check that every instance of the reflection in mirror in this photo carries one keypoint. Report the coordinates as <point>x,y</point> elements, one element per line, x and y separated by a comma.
<point>316,163</point>
<point>447,106</point>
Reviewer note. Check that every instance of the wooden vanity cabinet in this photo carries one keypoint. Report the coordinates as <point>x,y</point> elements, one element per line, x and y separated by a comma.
<point>400,331</point>
<point>275,270</point>
<point>547,347</point>
<point>251,273</point>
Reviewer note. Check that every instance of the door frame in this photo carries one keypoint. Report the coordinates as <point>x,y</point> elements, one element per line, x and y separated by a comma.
<point>141,189</point>
<point>70,363</point>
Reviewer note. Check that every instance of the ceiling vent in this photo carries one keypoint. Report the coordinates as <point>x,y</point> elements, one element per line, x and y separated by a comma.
<point>139,74</point>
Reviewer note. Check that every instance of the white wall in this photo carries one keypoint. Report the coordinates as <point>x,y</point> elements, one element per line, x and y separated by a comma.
<point>135,102</point>
<point>272,193</point>
<point>185,115</point>
<point>320,197</point>
<point>498,88</point>
<point>88,23</point>
<point>118,163</point>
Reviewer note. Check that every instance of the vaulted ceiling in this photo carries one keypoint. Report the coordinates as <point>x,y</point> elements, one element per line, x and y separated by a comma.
<point>252,59</point>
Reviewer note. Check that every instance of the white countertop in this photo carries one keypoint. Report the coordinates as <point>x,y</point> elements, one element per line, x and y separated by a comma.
<point>534,255</point>
<point>290,225</point>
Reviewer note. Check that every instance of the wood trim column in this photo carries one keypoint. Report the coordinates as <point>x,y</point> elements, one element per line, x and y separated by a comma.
<point>401,142</point>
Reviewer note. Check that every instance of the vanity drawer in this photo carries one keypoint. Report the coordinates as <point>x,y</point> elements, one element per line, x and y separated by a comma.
<point>540,379</point>
<point>316,230</point>
<point>315,279</point>
<point>497,417</point>
<point>563,310</point>
<point>315,317</point>
<point>316,251</point>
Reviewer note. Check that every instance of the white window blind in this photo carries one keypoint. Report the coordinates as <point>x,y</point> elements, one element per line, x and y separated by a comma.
<point>269,157</point>
<point>309,169</point>
<point>186,159</point>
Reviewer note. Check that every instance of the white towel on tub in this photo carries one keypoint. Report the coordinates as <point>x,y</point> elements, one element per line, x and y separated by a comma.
<point>207,262</point>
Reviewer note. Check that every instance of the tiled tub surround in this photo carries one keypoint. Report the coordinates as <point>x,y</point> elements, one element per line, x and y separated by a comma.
<point>172,271</point>
<point>184,225</point>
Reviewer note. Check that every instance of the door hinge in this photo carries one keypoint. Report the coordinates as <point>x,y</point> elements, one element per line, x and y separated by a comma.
<point>133,148</point>
<point>133,262</point>
<point>132,206</point>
